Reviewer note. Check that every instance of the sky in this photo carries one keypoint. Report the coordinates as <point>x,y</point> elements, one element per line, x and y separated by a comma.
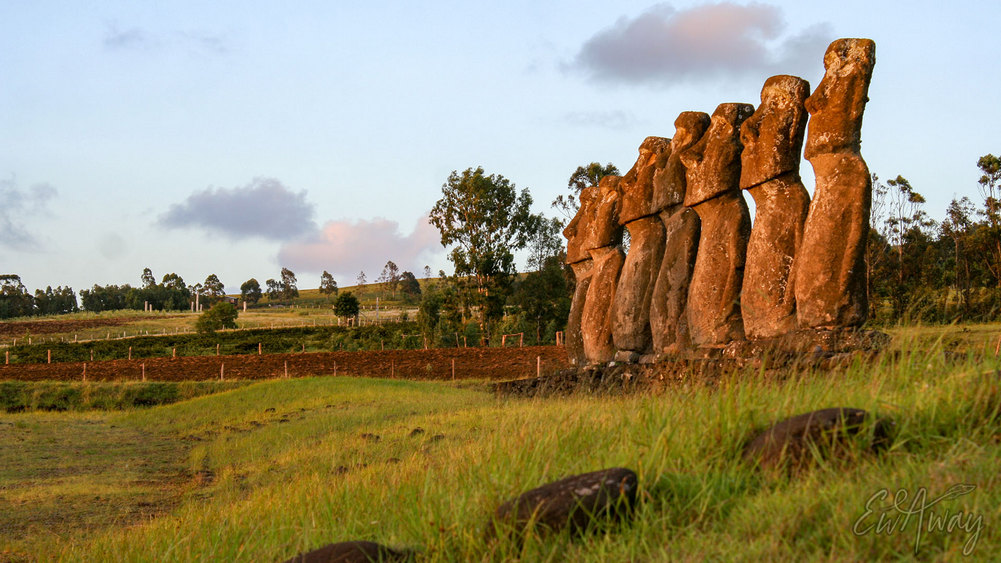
<point>235,138</point>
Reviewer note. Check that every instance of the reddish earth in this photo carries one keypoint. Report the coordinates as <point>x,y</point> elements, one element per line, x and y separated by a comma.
<point>50,327</point>
<point>470,363</point>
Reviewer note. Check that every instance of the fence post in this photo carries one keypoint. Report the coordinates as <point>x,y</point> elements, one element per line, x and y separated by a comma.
<point>85,371</point>
<point>521,340</point>
<point>144,371</point>
<point>453,368</point>
<point>286,369</point>
<point>130,352</point>
<point>92,355</point>
<point>217,349</point>
<point>503,340</point>
<point>258,348</point>
<point>222,371</point>
<point>538,366</point>
<point>48,354</point>
<point>6,360</point>
<point>173,352</point>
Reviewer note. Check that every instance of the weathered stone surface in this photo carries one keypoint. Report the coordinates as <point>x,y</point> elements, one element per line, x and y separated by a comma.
<point>668,325</point>
<point>794,441</point>
<point>712,165</point>
<point>576,502</point>
<point>353,552</point>
<point>631,308</point>
<point>576,232</point>
<point>596,319</point>
<point>574,340</point>
<point>773,139</point>
<point>669,183</point>
<point>830,270</point>
<point>713,191</point>
<point>604,238</point>
<point>637,186</point>
<point>579,258</point>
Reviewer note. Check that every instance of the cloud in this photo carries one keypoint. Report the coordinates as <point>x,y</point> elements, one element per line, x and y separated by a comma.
<point>348,247</point>
<point>263,208</point>
<point>664,45</point>
<point>15,205</point>
<point>599,119</point>
<point>132,38</point>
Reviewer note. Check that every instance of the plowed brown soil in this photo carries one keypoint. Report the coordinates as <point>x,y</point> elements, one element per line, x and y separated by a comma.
<point>53,327</point>
<point>470,363</point>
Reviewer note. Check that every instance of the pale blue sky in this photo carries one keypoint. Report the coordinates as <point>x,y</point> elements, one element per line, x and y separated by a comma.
<point>323,131</point>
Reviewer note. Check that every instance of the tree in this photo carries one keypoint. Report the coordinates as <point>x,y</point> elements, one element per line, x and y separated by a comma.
<point>409,285</point>
<point>990,186</point>
<point>15,301</point>
<point>274,290</point>
<point>212,290</point>
<point>545,241</point>
<point>346,305</point>
<point>288,288</point>
<point>583,177</point>
<point>957,227</point>
<point>328,286</point>
<point>544,295</point>
<point>250,291</point>
<point>361,278</point>
<point>147,278</point>
<point>486,219</point>
<point>390,276</point>
<point>55,302</point>
<point>427,272</point>
<point>221,315</point>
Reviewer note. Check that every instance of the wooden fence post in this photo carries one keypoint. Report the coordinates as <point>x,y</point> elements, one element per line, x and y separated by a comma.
<point>258,348</point>
<point>6,359</point>
<point>222,371</point>
<point>144,371</point>
<point>521,340</point>
<point>217,349</point>
<point>173,352</point>
<point>286,369</point>
<point>130,352</point>
<point>92,355</point>
<point>538,366</point>
<point>48,354</point>
<point>85,371</point>
<point>453,368</point>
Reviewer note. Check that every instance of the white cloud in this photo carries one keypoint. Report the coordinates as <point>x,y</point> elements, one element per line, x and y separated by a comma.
<point>664,45</point>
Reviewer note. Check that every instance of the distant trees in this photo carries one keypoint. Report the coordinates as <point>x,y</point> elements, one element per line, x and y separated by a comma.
<point>15,301</point>
<point>361,278</point>
<point>221,315</point>
<point>212,290</point>
<point>390,276</point>
<point>288,288</point>
<point>328,286</point>
<point>250,291</point>
<point>274,291</point>
<point>55,301</point>
<point>346,305</point>
<point>409,285</point>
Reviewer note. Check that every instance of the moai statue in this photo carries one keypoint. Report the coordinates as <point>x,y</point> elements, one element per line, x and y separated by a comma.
<point>712,171</point>
<point>631,307</point>
<point>681,229</point>
<point>580,262</point>
<point>604,243</point>
<point>773,139</point>
<point>830,267</point>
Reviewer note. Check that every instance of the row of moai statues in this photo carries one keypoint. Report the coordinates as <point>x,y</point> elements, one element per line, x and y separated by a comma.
<point>697,275</point>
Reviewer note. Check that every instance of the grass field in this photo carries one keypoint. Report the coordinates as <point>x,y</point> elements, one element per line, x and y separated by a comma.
<point>264,471</point>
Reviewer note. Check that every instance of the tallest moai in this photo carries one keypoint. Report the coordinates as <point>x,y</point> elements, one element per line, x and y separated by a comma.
<point>830,283</point>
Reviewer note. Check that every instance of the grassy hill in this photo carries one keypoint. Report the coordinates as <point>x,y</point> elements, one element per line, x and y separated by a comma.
<point>262,472</point>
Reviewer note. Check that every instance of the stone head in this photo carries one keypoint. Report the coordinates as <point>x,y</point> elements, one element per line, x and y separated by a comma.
<point>669,179</point>
<point>605,229</point>
<point>773,136</point>
<point>836,106</point>
<point>712,165</point>
<point>637,184</point>
<point>575,232</point>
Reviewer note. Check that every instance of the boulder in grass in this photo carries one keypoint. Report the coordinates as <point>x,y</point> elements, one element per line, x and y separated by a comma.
<point>574,502</point>
<point>353,552</point>
<point>794,441</point>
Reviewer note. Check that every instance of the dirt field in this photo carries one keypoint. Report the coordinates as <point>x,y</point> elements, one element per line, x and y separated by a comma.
<point>53,327</point>
<point>470,363</point>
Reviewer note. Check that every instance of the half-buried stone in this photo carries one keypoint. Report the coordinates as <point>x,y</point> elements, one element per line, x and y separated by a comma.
<point>797,441</point>
<point>576,503</point>
<point>353,552</point>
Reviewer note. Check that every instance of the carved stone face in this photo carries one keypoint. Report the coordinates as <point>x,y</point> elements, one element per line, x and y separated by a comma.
<point>836,106</point>
<point>773,136</point>
<point>669,178</point>
<point>637,185</point>
<point>605,229</point>
<point>575,231</point>
<point>713,164</point>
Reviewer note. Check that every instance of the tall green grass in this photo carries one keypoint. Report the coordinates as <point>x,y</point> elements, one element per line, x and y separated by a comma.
<point>305,473</point>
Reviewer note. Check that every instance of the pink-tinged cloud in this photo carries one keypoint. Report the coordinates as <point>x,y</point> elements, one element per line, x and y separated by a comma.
<point>664,45</point>
<point>347,247</point>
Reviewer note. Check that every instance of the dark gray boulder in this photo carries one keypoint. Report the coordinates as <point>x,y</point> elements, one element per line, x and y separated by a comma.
<point>576,502</point>
<point>353,552</point>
